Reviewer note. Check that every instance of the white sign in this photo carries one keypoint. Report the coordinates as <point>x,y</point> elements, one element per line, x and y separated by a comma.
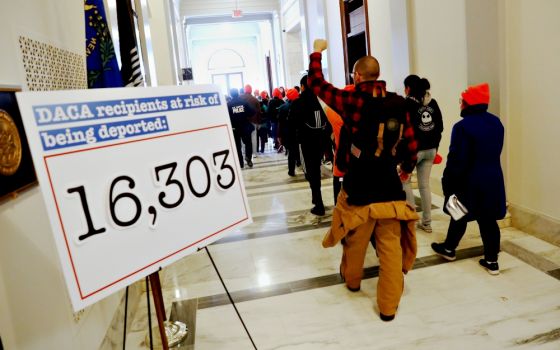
<point>133,179</point>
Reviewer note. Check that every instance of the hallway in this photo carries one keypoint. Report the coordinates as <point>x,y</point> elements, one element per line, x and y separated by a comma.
<point>289,295</point>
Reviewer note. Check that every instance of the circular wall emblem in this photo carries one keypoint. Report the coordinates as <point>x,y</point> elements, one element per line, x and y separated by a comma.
<point>10,145</point>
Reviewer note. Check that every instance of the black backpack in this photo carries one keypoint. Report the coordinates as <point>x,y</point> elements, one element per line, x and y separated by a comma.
<point>378,133</point>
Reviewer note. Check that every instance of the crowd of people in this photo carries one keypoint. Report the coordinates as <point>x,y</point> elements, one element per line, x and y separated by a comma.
<point>375,139</point>
<point>293,120</point>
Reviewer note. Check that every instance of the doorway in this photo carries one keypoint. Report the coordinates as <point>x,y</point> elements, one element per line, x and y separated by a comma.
<point>228,81</point>
<point>355,33</point>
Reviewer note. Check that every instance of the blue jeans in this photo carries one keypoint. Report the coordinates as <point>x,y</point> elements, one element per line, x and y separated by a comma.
<point>423,170</point>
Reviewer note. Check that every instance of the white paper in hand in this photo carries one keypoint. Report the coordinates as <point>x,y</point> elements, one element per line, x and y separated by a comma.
<point>455,208</point>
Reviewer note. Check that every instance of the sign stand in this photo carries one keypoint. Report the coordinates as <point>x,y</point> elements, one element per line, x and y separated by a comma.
<point>160,308</point>
<point>171,333</point>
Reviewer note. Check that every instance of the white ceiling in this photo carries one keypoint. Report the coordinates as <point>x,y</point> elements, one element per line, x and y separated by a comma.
<point>188,8</point>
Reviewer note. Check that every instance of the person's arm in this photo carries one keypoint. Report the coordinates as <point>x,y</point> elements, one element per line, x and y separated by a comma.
<point>335,98</point>
<point>410,152</point>
<point>457,161</point>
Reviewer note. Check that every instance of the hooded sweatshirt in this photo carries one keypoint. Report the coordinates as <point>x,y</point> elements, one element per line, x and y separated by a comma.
<point>426,120</point>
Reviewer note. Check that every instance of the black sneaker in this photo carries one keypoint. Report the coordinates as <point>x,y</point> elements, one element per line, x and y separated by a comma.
<point>440,250</point>
<point>318,210</point>
<point>291,173</point>
<point>249,163</point>
<point>492,267</point>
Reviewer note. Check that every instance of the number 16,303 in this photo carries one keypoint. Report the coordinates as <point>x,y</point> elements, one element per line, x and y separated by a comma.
<point>167,175</point>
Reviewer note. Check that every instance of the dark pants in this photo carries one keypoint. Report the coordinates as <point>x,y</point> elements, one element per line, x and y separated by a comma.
<point>274,133</point>
<point>293,156</point>
<point>312,155</point>
<point>262,139</point>
<point>246,139</point>
<point>336,185</point>
<point>489,232</point>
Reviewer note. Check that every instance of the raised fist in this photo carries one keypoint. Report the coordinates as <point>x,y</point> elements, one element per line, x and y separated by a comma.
<point>319,45</point>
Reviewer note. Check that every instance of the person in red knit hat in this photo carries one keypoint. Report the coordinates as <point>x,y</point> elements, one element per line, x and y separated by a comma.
<point>309,122</point>
<point>275,102</point>
<point>283,131</point>
<point>255,119</point>
<point>473,174</point>
<point>285,135</point>
<point>264,127</point>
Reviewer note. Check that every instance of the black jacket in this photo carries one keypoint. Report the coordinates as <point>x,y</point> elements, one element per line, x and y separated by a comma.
<point>308,118</point>
<point>239,113</point>
<point>426,120</point>
<point>473,171</point>
<point>272,110</point>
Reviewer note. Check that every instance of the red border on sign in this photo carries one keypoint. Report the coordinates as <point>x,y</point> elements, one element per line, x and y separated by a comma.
<point>82,296</point>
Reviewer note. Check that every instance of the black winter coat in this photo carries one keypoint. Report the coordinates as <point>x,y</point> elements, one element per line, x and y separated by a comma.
<point>473,171</point>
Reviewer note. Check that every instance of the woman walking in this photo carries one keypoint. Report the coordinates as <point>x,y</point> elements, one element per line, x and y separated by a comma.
<point>473,173</point>
<point>426,119</point>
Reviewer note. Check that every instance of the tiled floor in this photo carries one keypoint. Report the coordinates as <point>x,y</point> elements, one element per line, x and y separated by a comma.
<point>287,294</point>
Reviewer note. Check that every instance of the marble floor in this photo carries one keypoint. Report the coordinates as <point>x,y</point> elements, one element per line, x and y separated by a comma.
<point>271,285</point>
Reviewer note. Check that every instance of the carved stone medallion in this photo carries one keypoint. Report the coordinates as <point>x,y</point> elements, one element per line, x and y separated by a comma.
<point>10,145</point>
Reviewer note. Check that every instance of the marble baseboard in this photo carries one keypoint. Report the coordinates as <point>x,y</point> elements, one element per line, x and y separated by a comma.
<point>114,336</point>
<point>530,257</point>
<point>505,222</point>
<point>541,226</point>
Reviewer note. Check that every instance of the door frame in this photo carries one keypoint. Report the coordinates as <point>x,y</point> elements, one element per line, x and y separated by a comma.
<point>344,19</point>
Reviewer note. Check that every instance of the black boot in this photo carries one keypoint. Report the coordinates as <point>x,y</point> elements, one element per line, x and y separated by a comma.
<point>318,210</point>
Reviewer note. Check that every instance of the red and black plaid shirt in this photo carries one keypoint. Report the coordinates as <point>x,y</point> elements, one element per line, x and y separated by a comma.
<point>349,104</point>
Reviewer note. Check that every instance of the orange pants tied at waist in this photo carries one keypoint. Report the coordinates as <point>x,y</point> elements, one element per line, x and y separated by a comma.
<point>393,225</point>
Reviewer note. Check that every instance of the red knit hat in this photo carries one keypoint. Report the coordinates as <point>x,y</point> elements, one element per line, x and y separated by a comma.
<point>477,94</point>
<point>248,89</point>
<point>276,93</point>
<point>292,94</point>
<point>264,94</point>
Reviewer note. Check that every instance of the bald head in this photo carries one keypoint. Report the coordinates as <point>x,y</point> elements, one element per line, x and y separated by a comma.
<point>366,69</point>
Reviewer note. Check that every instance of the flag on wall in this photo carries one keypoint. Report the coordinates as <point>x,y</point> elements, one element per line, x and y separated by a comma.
<point>131,72</point>
<point>102,66</point>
